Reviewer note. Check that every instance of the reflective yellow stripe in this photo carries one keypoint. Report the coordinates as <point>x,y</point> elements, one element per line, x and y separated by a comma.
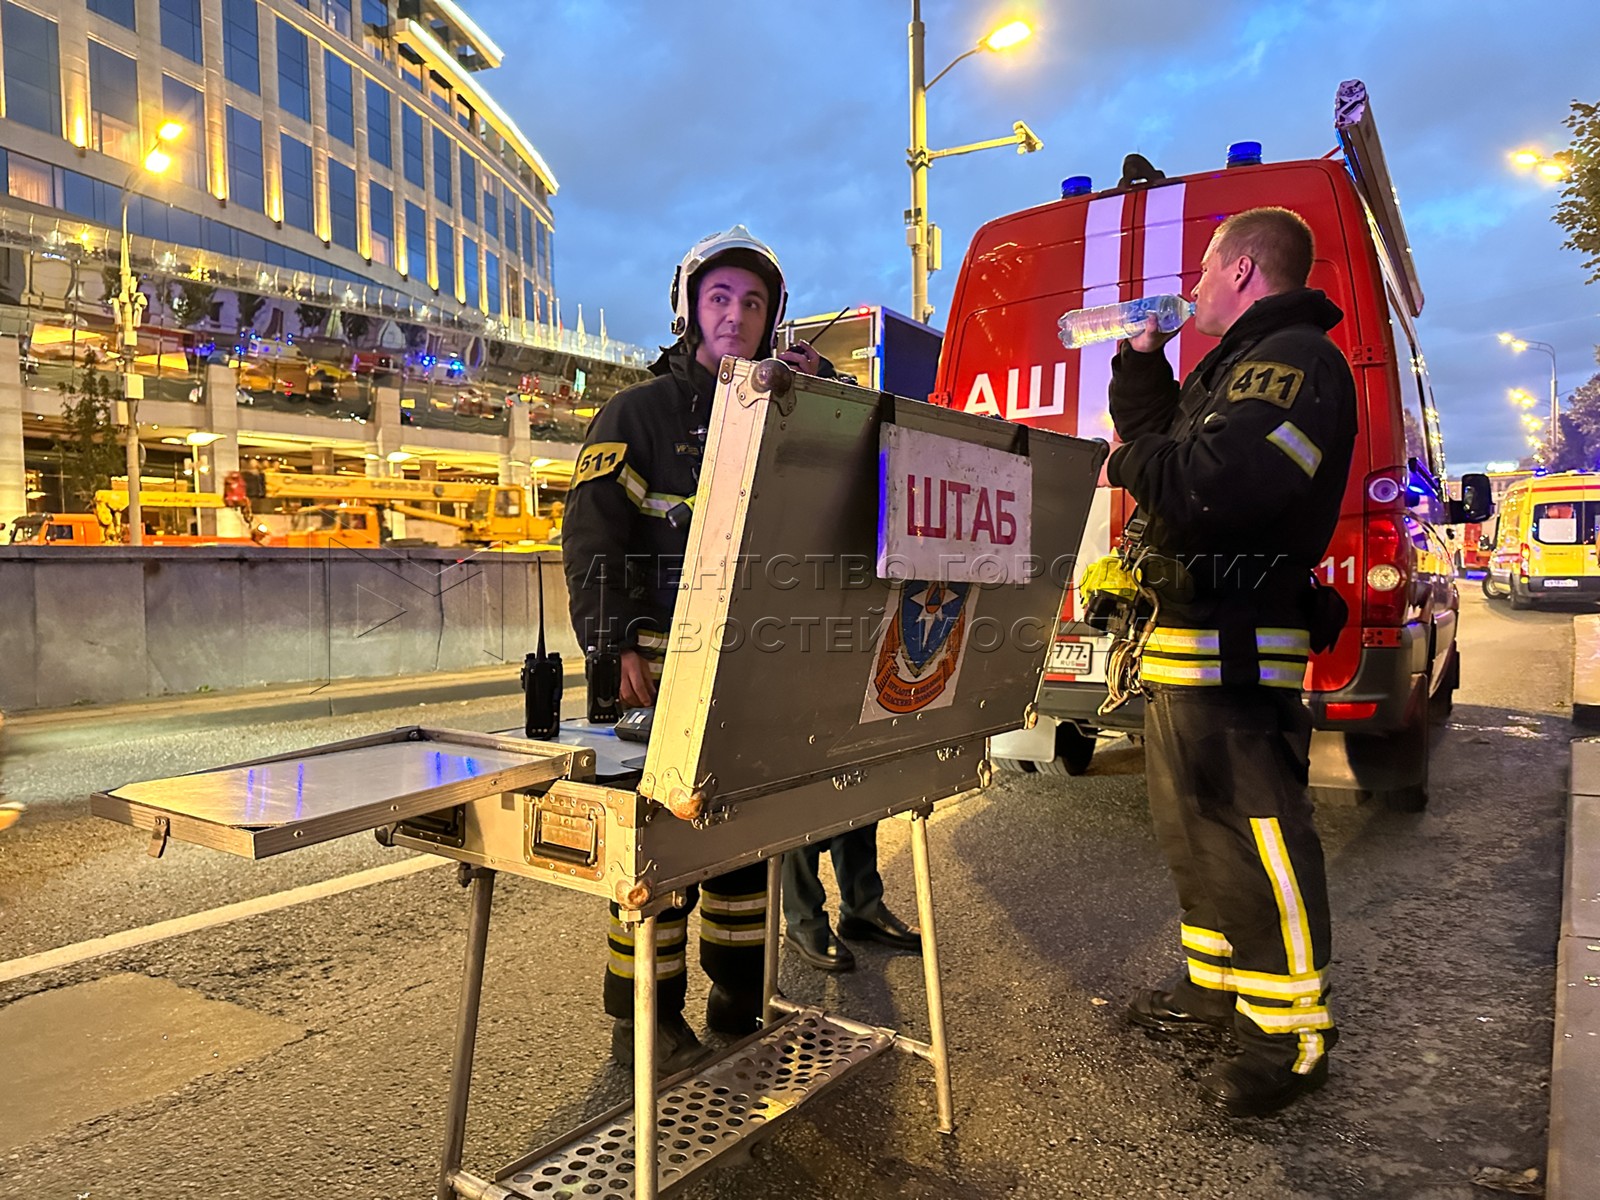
<point>754,902</point>
<point>667,965</point>
<point>1311,1049</point>
<point>1282,675</point>
<point>1163,671</point>
<point>1302,450</point>
<point>666,931</point>
<point>1283,642</point>
<point>633,483</point>
<point>1294,1019</point>
<point>1207,941</point>
<point>1263,986</point>
<point>710,931</point>
<point>659,504</point>
<point>1183,641</point>
<point>1209,975</point>
<point>1286,891</point>
<point>649,639</point>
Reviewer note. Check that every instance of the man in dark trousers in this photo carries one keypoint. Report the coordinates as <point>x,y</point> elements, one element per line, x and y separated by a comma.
<point>1240,474</point>
<point>624,537</point>
<point>863,916</point>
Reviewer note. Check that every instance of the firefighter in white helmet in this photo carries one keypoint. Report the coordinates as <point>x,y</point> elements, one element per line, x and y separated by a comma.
<point>623,541</point>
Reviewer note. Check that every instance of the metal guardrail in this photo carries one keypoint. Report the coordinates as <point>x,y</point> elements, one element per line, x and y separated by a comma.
<point>79,240</point>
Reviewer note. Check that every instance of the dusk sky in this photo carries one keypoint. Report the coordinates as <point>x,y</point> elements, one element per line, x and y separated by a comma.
<point>664,121</point>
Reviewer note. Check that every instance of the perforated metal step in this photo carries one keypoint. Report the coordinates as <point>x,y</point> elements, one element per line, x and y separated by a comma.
<point>705,1114</point>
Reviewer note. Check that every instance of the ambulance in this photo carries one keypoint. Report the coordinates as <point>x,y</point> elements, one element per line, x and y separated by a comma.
<point>1545,544</point>
<point>1371,695</point>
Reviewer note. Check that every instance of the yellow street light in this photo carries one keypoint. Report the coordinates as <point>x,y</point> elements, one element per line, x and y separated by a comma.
<point>1008,35</point>
<point>1552,170</point>
<point>1506,339</point>
<point>157,161</point>
<point>169,131</point>
<point>1525,158</point>
<point>1554,167</point>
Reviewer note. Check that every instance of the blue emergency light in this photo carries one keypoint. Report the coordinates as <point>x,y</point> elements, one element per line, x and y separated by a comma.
<point>1244,154</point>
<point>1076,185</point>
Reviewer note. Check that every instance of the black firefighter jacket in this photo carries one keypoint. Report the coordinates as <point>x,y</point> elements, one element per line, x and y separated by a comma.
<point>1240,474</point>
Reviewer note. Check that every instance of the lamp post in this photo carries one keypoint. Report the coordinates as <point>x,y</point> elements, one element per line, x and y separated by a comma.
<point>1555,168</point>
<point>919,232</point>
<point>1519,345</point>
<point>129,306</point>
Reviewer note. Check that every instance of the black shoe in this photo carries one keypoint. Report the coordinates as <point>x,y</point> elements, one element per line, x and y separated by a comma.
<point>884,928</point>
<point>1155,1009</point>
<point>1248,1087</point>
<point>677,1048</point>
<point>733,1014</point>
<point>821,949</point>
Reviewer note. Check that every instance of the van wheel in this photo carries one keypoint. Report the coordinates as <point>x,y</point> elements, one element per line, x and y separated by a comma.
<point>1488,588</point>
<point>1074,751</point>
<point>1444,700</point>
<point>1520,599</point>
<point>1012,766</point>
<point>1409,745</point>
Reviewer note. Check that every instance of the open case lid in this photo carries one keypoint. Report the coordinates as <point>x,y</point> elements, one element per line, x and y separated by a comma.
<point>790,658</point>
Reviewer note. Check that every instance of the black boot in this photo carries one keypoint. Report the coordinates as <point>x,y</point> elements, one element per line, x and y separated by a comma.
<point>735,1014</point>
<point>1249,1086</point>
<point>677,1048</point>
<point>1156,1008</point>
<point>817,945</point>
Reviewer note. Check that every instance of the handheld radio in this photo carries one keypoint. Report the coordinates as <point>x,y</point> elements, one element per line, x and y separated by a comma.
<point>541,682</point>
<point>603,669</point>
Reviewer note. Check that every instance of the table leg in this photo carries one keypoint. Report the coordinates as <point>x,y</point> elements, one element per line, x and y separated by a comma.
<point>481,882</point>
<point>930,972</point>
<point>645,1140</point>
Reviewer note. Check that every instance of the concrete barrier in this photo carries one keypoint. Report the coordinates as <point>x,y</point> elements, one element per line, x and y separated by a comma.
<point>1586,671</point>
<point>1574,1162</point>
<point>99,625</point>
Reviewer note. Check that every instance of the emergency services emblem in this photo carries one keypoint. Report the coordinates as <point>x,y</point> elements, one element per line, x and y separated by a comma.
<point>916,663</point>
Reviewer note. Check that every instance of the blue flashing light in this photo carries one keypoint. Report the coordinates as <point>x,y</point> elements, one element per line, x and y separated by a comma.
<point>1076,185</point>
<point>1244,154</point>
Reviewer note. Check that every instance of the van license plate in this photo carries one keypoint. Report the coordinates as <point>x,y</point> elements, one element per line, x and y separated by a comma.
<point>1071,658</point>
<point>1560,583</point>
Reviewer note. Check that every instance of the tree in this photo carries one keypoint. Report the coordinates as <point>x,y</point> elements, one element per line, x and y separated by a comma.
<point>191,302</point>
<point>1580,428</point>
<point>355,326</point>
<point>88,445</point>
<point>250,306</point>
<point>312,318</point>
<point>1579,210</point>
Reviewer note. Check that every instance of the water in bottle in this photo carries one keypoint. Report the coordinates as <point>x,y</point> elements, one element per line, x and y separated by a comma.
<point>1082,326</point>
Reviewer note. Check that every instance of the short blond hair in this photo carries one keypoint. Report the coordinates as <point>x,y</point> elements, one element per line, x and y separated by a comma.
<point>1277,240</point>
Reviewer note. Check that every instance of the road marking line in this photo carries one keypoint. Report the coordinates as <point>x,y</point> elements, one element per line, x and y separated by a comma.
<point>66,956</point>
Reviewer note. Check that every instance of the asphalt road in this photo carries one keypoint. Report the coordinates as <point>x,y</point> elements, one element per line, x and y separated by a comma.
<point>330,1021</point>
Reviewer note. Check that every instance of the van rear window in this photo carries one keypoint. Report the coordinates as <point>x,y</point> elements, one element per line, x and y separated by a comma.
<point>1567,523</point>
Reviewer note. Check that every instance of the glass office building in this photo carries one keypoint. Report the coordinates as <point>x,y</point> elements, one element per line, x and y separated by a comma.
<point>350,139</point>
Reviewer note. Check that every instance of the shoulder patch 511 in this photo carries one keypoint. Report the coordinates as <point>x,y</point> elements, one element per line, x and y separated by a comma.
<point>598,460</point>
<point>1273,382</point>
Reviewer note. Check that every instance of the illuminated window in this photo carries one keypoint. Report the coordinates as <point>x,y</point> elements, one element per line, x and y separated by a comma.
<point>299,210</point>
<point>183,104</point>
<point>113,103</point>
<point>379,124</point>
<point>120,11</point>
<point>31,180</point>
<point>342,203</point>
<point>180,28</point>
<point>416,242</point>
<point>444,237</point>
<point>241,44</point>
<point>382,210</point>
<point>443,152</point>
<point>33,69</point>
<point>245,185</point>
<point>294,71</point>
<point>341,99</point>
<point>469,187</point>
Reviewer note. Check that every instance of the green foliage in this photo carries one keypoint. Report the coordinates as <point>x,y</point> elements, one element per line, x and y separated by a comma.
<point>1579,210</point>
<point>250,306</point>
<point>90,451</point>
<point>191,302</point>
<point>1579,446</point>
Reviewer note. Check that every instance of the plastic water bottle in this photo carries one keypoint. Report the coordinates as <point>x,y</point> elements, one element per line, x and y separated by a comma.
<point>1082,326</point>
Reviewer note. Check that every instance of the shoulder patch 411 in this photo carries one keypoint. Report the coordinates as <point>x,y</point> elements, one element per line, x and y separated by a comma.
<point>1273,382</point>
<point>598,460</point>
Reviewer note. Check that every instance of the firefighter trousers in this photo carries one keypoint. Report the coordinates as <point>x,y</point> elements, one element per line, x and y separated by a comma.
<point>733,918</point>
<point>1226,768</point>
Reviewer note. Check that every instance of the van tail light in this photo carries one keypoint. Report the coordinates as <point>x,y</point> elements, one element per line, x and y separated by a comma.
<point>1351,710</point>
<point>1523,556</point>
<point>1389,561</point>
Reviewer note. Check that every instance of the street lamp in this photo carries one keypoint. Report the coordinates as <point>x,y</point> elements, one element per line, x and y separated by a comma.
<point>129,306</point>
<point>1519,345</point>
<point>919,233</point>
<point>1556,167</point>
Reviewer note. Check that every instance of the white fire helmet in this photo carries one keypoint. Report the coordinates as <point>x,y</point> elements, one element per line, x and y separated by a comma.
<point>748,251</point>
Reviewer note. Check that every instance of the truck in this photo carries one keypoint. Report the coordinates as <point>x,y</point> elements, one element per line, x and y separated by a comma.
<point>872,346</point>
<point>167,515</point>
<point>351,510</point>
<point>1396,661</point>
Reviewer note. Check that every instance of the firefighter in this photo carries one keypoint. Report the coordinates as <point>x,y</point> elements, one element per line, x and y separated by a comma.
<point>624,533</point>
<point>1240,473</point>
